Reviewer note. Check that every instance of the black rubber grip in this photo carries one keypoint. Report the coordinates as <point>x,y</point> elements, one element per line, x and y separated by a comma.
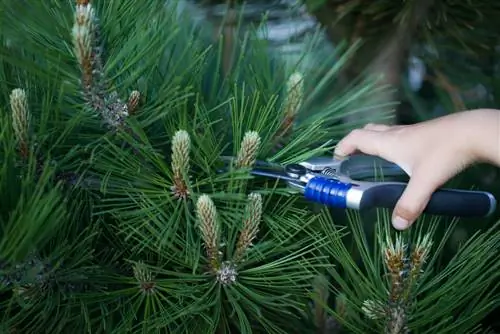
<point>448,202</point>
<point>362,166</point>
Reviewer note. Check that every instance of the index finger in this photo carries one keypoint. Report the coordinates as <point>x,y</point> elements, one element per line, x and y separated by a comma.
<point>366,141</point>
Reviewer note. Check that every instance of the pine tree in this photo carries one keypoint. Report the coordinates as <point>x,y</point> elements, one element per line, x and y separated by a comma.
<point>117,215</point>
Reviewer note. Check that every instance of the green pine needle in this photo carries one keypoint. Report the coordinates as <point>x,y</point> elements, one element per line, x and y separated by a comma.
<point>94,232</point>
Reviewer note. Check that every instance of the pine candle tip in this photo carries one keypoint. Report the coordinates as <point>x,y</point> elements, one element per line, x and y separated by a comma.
<point>419,255</point>
<point>83,40</point>
<point>133,101</point>
<point>204,201</point>
<point>423,247</point>
<point>181,147</point>
<point>396,263</point>
<point>253,216</point>
<point>249,149</point>
<point>206,212</point>
<point>207,216</point>
<point>295,79</point>
<point>18,100</point>
<point>20,115</point>
<point>291,106</point>
<point>255,197</point>
<point>181,136</point>
<point>17,92</point>
<point>295,87</point>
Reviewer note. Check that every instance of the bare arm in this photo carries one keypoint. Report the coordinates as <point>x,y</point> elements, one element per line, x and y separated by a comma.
<point>485,135</point>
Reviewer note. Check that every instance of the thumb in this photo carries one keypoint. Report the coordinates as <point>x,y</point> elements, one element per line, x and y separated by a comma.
<point>413,201</point>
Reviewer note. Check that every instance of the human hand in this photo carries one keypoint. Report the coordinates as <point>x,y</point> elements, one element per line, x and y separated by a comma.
<point>430,152</point>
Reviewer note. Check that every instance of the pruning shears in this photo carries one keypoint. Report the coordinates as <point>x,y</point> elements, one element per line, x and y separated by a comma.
<point>339,183</point>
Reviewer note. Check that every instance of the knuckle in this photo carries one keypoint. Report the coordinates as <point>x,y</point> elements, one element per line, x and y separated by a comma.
<point>356,133</point>
<point>370,125</point>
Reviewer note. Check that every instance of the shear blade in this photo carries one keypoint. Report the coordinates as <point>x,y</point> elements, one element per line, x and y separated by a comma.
<point>273,174</point>
<point>265,169</point>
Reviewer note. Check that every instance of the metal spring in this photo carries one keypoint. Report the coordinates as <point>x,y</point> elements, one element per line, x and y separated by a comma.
<point>329,171</point>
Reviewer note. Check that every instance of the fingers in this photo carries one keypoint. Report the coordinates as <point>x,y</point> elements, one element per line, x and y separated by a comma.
<point>379,140</point>
<point>376,127</point>
<point>413,201</point>
<point>367,141</point>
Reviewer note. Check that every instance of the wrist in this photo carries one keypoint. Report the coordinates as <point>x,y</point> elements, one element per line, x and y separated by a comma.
<point>484,135</point>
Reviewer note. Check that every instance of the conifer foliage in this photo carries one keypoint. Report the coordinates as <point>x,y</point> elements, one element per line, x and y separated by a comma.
<point>120,214</point>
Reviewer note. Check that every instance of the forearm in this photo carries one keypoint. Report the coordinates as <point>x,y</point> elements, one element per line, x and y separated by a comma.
<point>485,135</point>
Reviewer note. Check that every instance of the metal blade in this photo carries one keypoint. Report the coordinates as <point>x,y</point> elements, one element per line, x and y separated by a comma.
<point>273,174</point>
<point>266,169</point>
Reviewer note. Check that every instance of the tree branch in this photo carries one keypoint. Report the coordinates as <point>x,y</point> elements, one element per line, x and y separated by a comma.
<point>381,54</point>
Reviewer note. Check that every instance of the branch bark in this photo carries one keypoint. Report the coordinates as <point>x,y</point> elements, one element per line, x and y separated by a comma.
<point>383,54</point>
<point>225,32</point>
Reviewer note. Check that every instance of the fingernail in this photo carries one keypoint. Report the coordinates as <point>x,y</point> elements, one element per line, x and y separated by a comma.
<point>339,157</point>
<point>400,223</point>
<point>337,153</point>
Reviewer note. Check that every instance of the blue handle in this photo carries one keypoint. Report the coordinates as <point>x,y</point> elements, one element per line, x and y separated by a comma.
<point>367,195</point>
<point>327,191</point>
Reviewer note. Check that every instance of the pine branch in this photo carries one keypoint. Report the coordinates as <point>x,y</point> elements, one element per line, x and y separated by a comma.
<point>415,298</point>
<point>88,50</point>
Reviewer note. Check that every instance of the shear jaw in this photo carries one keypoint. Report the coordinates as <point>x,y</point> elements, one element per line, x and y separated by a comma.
<point>328,167</point>
<point>298,175</point>
<point>320,164</point>
<point>306,170</point>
